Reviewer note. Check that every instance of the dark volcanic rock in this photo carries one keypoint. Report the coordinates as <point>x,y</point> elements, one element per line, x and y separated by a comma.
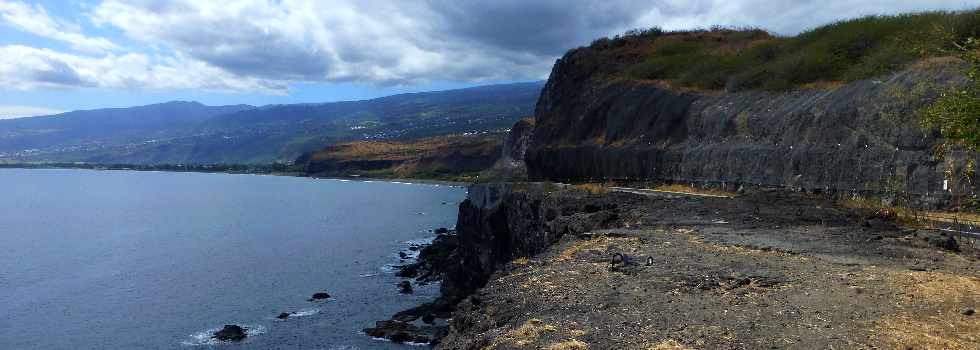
<point>231,333</point>
<point>408,271</point>
<point>402,332</point>
<point>405,287</point>
<point>500,222</point>
<point>947,243</point>
<point>283,316</point>
<point>320,296</point>
<point>855,138</point>
<point>441,231</point>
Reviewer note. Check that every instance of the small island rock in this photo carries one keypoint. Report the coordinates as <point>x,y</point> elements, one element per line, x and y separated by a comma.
<point>231,332</point>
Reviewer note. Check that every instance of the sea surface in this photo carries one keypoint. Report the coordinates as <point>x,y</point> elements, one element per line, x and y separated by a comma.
<point>155,260</point>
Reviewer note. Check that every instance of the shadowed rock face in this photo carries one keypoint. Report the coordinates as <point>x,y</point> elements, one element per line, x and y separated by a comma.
<point>502,221</point>
<point>862,136</point>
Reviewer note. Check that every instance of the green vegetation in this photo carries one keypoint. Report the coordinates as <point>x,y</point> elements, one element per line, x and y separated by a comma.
<point>746,58</point>
<point>956,114</point>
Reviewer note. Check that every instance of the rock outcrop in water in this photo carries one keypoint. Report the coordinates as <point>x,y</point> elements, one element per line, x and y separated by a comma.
<point>858,137</point>
<point>231,332</point>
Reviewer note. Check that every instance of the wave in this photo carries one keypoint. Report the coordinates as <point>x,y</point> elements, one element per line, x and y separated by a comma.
<point>304,313</point>
<point>206,337</point>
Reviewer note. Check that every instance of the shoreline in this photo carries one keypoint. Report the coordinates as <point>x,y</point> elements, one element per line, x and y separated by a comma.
<point>196,169</point>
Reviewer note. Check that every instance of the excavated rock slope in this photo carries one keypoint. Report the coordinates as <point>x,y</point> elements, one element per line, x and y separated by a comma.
<point>863,136</point>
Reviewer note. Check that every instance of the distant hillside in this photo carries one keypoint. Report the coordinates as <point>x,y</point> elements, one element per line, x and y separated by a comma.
<point>450,157</point>
<point>93,130</point>
<point>191,133</point>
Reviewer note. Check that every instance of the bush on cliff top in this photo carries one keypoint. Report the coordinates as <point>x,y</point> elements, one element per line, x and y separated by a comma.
<point>739,58</point>
<point>956,114</point>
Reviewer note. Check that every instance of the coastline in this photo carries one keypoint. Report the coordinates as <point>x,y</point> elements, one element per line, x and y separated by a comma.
<point>254,170</point>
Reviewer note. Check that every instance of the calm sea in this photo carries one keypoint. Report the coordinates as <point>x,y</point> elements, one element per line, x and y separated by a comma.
<point>148,260</point>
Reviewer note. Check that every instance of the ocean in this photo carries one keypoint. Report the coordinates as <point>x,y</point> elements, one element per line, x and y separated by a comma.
<point>157,260</point>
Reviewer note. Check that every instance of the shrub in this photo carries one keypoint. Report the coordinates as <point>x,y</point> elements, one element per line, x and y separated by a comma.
<point>750,58</point>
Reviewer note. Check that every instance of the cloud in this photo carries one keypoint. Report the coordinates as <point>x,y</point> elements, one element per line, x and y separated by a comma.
<point>10,112</point>
<point>266,45</point>
<point>26,68</point>
<point>35,20</point>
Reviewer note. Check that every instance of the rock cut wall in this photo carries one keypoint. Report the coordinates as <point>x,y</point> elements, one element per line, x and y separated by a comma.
<point>859,137</point>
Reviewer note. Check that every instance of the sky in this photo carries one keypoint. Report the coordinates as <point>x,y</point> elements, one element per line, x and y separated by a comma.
<point>59,55</point>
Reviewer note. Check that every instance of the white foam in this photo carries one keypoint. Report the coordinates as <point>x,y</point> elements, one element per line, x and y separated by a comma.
<point>389,341</point>
<point>304,313</point>
<point>206,337</point>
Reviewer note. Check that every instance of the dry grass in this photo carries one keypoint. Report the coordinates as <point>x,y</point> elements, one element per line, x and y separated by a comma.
<point>951,332</point>
<point>593,188</point>
<point>932,319</point>
<point>906,216</point>
<point>668,344</point>
<point>571,344</point>
<point>938,287</point>
<point>524,335</point>
<point>691,189</point>
<point>522,261</point>
<point>900,214</point>
<point>597,243</point>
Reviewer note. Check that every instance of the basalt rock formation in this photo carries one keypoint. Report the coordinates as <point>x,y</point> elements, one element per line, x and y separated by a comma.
<point>858,137</point>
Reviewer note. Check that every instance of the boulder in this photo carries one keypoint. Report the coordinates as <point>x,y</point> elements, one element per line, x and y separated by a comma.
<point>408,271</point>
<point>319,296</point>
<point>283,316</point>
<point>402,332</point>
<point>441,231</point>
<point>947,243</point>
<point>231,332</point>
<point>405,287</point>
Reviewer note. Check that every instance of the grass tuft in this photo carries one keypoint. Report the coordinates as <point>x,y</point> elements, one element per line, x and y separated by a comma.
<point>571,344</point>
<point>593,188</point>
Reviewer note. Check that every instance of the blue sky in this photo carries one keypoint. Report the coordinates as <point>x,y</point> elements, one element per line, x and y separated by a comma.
<point>79,54</point>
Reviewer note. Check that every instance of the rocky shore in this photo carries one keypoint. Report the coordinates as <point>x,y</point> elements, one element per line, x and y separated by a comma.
<point>763,270</point>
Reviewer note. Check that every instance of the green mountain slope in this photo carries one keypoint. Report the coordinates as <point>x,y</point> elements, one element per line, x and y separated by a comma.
<point>191,133</point>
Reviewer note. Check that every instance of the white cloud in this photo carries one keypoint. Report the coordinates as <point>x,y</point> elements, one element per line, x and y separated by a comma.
<point>264,45</point>
<point>9,112</point>
<point>25,68</point>
<point>303,40</point>
<point>35,20</point>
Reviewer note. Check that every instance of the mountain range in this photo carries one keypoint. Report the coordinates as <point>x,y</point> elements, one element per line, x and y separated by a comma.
<point>182,132</point>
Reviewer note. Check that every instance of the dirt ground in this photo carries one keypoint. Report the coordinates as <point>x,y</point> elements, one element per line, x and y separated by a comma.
<point>760,271</point>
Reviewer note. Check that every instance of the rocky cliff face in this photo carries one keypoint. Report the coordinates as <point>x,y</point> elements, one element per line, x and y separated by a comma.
<point>502,221</point>
<point>510,166</point>
<point>862,136</point>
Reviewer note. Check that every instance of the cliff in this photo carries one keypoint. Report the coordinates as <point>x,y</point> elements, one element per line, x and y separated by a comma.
<point>855,137</point>
<point>510,167</point>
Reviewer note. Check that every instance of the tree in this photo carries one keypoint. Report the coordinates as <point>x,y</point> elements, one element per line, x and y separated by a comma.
<point>956,114</point>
